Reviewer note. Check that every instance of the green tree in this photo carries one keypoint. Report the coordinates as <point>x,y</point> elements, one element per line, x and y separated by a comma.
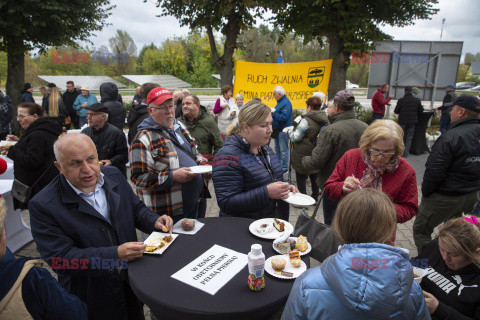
<point>348,25</point>
<point>200,65</point>
<point>140,57</point>
<point>228,17</point>
<point>125,51</point>
<point>32,24</point>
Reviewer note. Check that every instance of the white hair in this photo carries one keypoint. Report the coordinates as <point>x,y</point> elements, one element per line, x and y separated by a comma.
<point>185,91</point>
<point>59,144</point>
<point>279,89</point>
<point>239,95</point>
<point>320,95</point>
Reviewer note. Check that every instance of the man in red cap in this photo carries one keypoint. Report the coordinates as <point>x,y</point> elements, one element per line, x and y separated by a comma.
<point>160,157</point>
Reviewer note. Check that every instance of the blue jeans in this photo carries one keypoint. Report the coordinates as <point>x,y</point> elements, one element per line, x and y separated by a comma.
<point>408,130</point>
<point>445,122</point>
<point>329,208</point>
<point>281,149</point>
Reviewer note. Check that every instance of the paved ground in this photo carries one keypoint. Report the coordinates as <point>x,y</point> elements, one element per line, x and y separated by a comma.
<point>404,231</point>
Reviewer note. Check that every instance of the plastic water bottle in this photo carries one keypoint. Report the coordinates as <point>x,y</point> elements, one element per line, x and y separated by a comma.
<point>256,268</point>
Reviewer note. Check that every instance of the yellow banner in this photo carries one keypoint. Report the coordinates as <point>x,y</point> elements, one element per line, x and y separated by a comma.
<point>300,80</point>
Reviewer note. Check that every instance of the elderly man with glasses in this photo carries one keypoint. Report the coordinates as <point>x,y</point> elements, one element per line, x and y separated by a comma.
<point>160,159</point>
<point>110,141</point>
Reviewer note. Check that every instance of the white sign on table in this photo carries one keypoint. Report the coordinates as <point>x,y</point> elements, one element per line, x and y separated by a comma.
<point>213,269</point>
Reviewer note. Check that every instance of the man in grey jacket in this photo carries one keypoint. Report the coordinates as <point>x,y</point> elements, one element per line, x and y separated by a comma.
<point>341,135</point>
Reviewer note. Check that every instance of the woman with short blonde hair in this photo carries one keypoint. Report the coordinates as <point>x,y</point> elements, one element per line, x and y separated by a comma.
<point>377,164</point>
<point>367,278</point>
<point>247,175</point>
<point>383,129</point>
<point>454,258</point>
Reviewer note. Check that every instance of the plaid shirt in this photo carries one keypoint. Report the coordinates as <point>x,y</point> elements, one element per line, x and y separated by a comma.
<point>153,157</point>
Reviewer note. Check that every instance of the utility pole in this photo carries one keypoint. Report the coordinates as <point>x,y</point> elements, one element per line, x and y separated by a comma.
<point>441,32</point>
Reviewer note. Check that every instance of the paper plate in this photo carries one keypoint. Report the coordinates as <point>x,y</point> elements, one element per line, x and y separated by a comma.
<point>288,268</point>
<point>272,235</point>
<point>7,143</point>
<point>299,199</point>
<point>155,235</point>
<point>309,248</point>
<point>201,169</point>
<point>420,273</point>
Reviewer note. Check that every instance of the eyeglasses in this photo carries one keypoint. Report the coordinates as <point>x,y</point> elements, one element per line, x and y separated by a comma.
<point>20,116</point>
<point>383,154</point>
<point>170,107</point>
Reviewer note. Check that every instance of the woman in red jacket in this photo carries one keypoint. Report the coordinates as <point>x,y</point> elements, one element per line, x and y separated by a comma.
<point>378,164</point>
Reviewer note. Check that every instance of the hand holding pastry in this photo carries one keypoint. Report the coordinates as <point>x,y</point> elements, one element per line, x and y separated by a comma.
<point>11,137</point>
<point>164,223</point>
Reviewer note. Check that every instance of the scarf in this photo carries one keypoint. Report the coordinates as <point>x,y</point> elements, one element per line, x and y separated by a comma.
<point>372,175</point>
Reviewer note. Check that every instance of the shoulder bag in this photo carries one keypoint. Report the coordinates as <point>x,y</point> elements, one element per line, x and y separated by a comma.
<point>321,237</point>
<point>22,192</point>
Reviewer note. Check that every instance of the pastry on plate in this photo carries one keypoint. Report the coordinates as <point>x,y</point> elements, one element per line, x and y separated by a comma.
<point>294,255</point>
<point>280,226</point>
<point>278,264</point>
<point>302,244</point>
<point>188,224</point>
<point>284,248</point>
<point>296,263</point>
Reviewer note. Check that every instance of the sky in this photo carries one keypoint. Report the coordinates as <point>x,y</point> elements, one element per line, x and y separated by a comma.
<point>139,19</point>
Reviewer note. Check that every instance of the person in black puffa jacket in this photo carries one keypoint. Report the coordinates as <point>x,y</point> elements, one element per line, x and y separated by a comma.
<point>116,112</point>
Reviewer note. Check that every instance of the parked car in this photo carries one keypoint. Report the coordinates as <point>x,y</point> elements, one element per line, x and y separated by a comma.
<point>464,85</point>
<point>350,85</point>
<point>477,88</point>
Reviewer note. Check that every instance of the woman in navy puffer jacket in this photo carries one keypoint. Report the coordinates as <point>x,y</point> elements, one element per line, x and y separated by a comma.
<point>367,278</point>
<point>247,176</point>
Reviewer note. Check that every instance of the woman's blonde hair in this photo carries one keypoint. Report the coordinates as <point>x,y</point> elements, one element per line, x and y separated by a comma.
<point>379,130</point>
<point>53,102</point>
<point>365,215</point>
<point>252,113</point>
<point>461,237</point>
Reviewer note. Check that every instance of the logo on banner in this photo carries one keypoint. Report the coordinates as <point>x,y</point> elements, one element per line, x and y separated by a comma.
<point>315,76</point>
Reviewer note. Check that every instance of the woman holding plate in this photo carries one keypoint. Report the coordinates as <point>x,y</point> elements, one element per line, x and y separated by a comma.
<point>247,175</point>
<point>377,164</point>
<point>367,278</point>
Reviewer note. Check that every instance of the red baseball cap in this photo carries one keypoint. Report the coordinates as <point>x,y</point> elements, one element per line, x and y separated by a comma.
<point>158,95</point>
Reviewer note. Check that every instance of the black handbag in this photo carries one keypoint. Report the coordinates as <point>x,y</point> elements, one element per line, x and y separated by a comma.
<point>22,192</point>
<point>321,237</point>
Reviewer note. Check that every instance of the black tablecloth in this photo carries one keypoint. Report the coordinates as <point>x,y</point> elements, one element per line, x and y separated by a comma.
<point>168,298</point>
<point>419,145</point>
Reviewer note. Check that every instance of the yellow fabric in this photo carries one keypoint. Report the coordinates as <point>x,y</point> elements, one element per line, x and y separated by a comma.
<point>300,80</point>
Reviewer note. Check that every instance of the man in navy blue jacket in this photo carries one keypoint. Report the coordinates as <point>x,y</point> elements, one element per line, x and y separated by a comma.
<point>282,117</point>
<point>84,225</point>
<point>28,291</point>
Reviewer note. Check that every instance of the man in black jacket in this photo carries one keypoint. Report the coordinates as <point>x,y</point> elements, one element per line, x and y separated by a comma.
<point>68,99</point>
<point>116,111</point>
<point>452,175</point>
<point>110,141</point>
<point>139,112</point>
<point>450,96</point>
<point>409,109</point>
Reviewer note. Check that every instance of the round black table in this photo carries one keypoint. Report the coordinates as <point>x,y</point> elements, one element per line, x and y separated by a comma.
<point>168,298</point>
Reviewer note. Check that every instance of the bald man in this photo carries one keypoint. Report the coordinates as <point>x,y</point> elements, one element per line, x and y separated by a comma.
<point>84,225</point>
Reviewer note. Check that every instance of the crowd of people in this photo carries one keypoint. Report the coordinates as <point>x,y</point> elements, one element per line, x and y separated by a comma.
<point>82,205</point>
